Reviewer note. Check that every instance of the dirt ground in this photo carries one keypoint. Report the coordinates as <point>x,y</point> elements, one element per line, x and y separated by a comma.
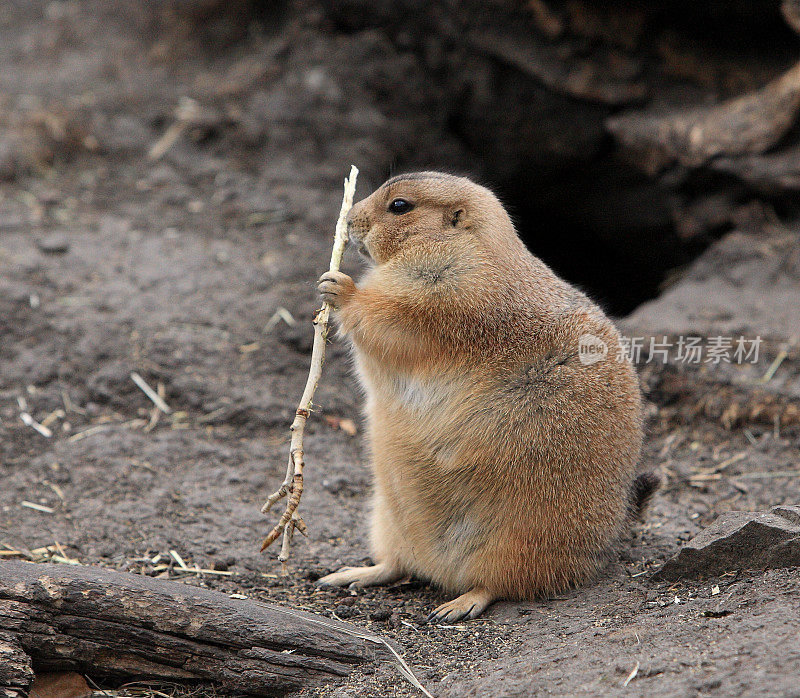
<point>185,267</point>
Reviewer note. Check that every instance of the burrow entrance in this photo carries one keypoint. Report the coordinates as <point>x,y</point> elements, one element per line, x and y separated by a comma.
<point>579,202</point>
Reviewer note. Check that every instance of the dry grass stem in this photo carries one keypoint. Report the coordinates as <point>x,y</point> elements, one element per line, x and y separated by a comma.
<point>178,559</point>
<point>37,507</point>
<point>280,314</point>
<point>97,428</point>
<point>713,473</point>
<point>50,553</point>
<point>156,413</point>
<point>292,486</point>
<point>52,417</point>
<point>403,667</point>
<point>70,406</point>
<point>29,421</point>
<point>774,366</point>
<point>187,112</point>
<point>631,676</point>
<point>155,398</point>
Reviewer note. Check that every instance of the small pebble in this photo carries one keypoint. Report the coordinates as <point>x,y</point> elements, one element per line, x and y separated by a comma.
<point>337,485</point>
<point>381,614</point>
<point>55,243</point>
<point>343,611</point>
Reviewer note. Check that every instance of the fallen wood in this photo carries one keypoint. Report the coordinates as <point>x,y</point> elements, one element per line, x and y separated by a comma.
<point>126,627</point>
<point>16,673</point>
<point>772,174</point>
<point>611,82</point>
<point>746,125</point>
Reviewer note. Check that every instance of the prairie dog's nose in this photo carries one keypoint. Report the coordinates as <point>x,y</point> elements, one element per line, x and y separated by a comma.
<point>357,222</point>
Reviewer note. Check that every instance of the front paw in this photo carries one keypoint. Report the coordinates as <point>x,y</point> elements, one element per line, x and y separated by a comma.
<point>336,288</point>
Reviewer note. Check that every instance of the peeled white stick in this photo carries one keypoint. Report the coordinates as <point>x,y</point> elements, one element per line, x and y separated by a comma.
<point>293,482</point>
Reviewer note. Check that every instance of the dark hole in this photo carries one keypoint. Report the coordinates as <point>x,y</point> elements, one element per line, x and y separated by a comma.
<point>601,224</point>
<point>598,221</point>
<point>602,231</point>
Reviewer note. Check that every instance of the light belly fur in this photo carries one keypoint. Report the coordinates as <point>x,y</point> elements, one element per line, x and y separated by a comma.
<point>422,408</point>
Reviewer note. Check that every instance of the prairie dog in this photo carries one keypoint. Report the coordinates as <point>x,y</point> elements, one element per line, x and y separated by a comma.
<point>504,466</point>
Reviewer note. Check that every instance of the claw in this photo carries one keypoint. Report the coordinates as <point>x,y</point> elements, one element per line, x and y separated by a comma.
<point>467,606</point>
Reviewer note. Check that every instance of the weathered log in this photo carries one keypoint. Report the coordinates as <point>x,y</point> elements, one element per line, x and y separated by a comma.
<point>114,625</point>
<point>16,673</point>
<point>771,174</point>
<point>602,80</point>
<point>746,125</point>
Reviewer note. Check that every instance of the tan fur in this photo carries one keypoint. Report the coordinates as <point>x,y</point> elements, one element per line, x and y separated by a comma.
<point>503,465</point>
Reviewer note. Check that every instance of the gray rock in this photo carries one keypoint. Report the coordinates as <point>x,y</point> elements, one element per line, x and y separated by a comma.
<point>738,541</point>
<point>381,614</point>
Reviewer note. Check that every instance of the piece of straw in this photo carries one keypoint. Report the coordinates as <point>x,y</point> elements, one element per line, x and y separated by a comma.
<point>29,421</point>
<point>155,398</point>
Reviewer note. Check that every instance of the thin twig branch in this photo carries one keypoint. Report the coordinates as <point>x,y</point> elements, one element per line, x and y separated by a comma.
<point>293,482</point>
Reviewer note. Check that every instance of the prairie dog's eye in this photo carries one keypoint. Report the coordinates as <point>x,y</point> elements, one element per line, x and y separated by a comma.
<point>400,206</point>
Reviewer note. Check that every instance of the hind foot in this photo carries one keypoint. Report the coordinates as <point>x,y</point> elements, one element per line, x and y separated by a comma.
<point>466,606</point>
<point>356,577</point>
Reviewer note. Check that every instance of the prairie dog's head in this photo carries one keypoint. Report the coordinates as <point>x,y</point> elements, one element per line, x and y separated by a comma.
<point>411,209</point>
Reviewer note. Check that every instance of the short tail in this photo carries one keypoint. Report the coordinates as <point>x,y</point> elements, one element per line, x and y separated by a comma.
<point>642,490</point>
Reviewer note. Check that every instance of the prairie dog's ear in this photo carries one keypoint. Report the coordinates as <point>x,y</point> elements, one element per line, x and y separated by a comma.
<point>457,218</point>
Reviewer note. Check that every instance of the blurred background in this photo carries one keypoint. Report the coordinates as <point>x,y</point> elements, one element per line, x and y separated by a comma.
<point>170,173</point>
<point>594,121</point>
